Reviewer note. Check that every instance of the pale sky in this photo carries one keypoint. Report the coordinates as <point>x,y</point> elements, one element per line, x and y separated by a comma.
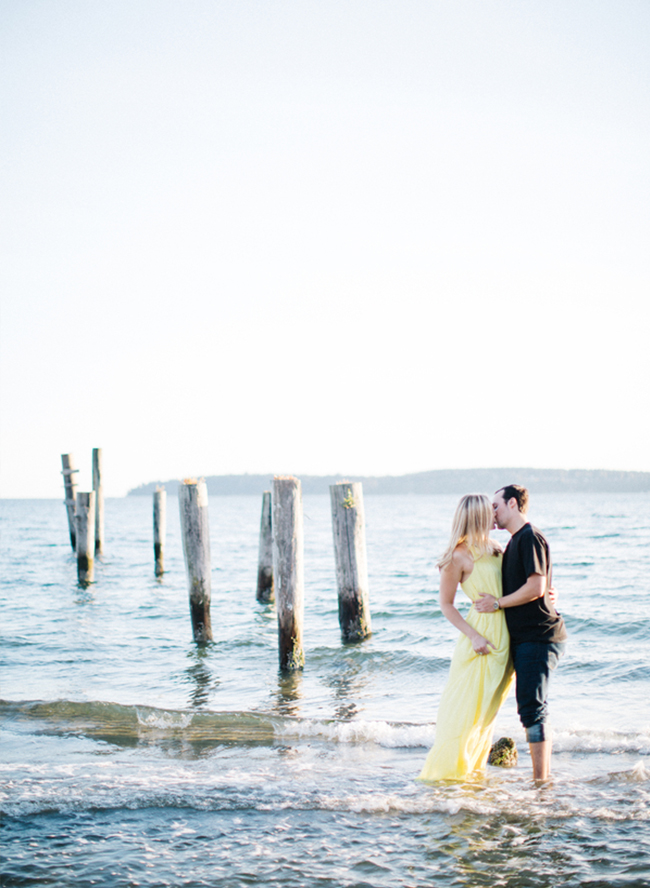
<point>315,236</point>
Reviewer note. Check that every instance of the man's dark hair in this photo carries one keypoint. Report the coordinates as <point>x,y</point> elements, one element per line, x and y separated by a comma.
<point>518,492</point>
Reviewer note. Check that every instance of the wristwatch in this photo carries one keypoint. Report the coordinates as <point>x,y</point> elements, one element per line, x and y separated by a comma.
<point>496,604</point>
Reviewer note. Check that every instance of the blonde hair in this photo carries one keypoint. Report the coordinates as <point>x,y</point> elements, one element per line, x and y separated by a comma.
<point>473,521</point>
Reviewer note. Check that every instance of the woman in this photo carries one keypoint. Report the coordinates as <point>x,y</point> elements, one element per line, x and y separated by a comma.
<point>481,673</point>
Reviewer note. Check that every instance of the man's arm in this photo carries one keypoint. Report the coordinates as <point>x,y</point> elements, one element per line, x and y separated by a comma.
<point>533,588</point>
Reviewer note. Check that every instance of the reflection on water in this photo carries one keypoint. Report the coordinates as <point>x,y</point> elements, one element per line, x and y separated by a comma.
<point>289,693</point>
<point>84,594</point>
<point>347,684</point>
<point>200,676</point>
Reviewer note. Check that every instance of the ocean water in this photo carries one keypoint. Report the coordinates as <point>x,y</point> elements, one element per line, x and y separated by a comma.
<point>132,757</point>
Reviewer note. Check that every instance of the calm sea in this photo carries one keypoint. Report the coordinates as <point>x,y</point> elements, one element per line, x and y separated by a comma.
<point>130,757</point>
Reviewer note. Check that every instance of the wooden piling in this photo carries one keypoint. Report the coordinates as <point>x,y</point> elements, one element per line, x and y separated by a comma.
<point>193,504</point>
<point>98,488</point>
<point>348,525</point>
<point>288,569</point>
<point>159,529</point>
<point>68,471</point>
<point>265,592</point>
<point>85,523</point>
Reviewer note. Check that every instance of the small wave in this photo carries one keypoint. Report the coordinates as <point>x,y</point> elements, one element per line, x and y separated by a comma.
<point>163,720</point>
<point>194,797</point>
<point>380,733</point>
<point>612,742</point>
<point>625,627</point>
<point>127,725</point>
<point>615,798</point>
<point>640,773</point>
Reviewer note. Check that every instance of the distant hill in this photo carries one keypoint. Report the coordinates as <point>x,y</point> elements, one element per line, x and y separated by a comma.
<point>436,481</point>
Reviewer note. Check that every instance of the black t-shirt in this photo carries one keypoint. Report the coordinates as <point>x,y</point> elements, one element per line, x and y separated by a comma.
<point>528,553</point>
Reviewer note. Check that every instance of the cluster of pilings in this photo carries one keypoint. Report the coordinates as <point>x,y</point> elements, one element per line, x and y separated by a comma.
<point>280,575</point>
<point>85,515</point>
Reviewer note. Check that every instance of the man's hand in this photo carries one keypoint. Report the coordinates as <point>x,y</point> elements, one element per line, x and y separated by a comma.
<point>485,604</point>
<point>552,594</point>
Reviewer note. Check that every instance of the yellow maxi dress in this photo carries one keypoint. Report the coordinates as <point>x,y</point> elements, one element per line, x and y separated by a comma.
<point>477,686</point>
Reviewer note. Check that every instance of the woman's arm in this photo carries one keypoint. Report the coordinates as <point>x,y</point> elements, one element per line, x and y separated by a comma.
<point>450,577</point>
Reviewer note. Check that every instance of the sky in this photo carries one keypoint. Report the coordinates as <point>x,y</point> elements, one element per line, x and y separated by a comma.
<point>371,237</point>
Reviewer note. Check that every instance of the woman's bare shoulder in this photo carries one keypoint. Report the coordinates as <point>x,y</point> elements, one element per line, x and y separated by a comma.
<point>462,557</point>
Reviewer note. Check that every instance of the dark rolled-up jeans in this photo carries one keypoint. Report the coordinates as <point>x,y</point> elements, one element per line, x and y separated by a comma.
<point>534,661</point>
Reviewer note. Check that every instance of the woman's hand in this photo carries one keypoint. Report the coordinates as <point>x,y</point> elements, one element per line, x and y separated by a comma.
<point>482,645</point>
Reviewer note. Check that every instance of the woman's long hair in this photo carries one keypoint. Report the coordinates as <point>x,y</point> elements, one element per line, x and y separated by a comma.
<point>473,521</point>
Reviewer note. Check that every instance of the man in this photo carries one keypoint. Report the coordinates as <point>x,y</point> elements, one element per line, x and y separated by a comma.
<point>537,631</point>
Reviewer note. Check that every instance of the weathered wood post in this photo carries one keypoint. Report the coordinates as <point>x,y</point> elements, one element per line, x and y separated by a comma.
<point>193,504</point>
<point>68,471</point>
<point>159,529</point>
<point>98,488</point>
<point>348,525</point>
<point>85,521</point>
<point>288,569</point>
<point>265,591</point>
